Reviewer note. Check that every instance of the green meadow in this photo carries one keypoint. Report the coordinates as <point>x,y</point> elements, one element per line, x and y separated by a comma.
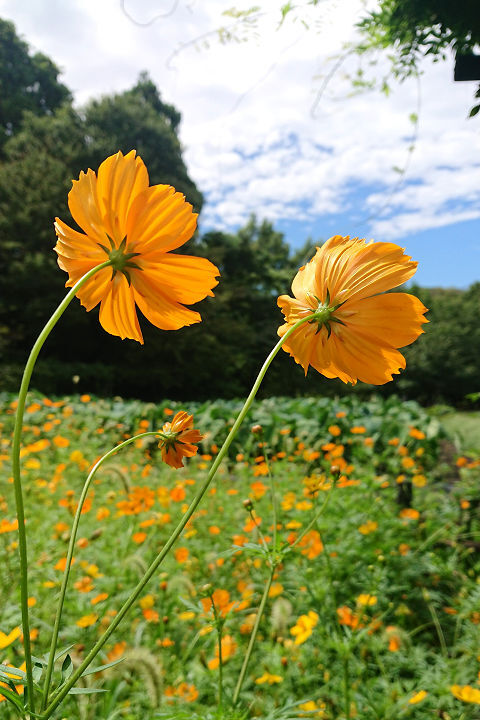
<point>368,507</point>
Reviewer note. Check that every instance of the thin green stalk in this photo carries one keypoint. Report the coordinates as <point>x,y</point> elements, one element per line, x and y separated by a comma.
<point>436,622</point>
<point>219,627</point>
<point>346,684</point>
<point>313,520</point>
<point>64,690</point>
<point>17,433</point>
<point>253,636</point>
<point>71,546</point>
<point>259,530</point>
<point>273,492</point>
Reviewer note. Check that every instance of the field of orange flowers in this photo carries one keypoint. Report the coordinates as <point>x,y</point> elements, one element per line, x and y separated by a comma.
<point>373,610</point>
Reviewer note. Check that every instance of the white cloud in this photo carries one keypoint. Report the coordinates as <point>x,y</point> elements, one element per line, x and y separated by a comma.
<point>251,141</point>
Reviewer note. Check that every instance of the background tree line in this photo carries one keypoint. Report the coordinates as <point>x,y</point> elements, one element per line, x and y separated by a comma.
<point>44,143</point>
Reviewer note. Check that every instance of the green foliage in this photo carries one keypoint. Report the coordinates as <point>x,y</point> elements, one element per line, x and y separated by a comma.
<point>138,118</point>
<point>28,83</point>
<point>422,27</point>
<point>443,363</point>
<point>416,28</point>
<point>48,144</point>
<point>421,631</point>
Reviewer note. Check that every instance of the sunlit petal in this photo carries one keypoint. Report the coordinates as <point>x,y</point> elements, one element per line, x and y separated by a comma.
<point>133,227</point>
<point>356,332</point>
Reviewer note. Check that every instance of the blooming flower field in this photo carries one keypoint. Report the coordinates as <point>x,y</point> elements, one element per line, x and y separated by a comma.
<point>374,607</point>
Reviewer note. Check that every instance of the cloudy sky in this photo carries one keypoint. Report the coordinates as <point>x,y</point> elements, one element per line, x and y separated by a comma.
<point>270,124</point>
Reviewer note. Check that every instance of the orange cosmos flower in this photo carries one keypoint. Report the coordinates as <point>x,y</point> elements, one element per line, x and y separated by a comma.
<point>135,226</point>
<point>356,331</point>
<point>177,440</point>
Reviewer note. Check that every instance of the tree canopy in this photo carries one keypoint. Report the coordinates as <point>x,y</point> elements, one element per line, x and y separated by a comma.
<point>28,82</point>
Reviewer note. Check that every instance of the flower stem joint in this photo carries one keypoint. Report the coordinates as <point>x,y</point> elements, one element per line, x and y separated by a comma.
<point>324,314</point>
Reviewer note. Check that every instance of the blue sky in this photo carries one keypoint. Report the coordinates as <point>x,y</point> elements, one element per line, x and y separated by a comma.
<point>447,257</point>
<point>263,134</point>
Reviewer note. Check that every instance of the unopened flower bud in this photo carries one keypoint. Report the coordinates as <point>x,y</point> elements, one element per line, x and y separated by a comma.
<point>248,505</point>
<point>257,429</point>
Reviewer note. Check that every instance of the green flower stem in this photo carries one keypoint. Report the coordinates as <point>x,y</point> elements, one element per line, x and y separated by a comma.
<point>273,492</point>
<point>17,433</point>
<point>71,546</point>
<point>65,689</point>
<point>253,636</point>
<point>259,530</point>
<point>219,628</point>
<point>346,684</point>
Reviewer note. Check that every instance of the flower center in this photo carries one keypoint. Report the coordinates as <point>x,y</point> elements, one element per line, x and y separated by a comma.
<point>324,314</point>
<point>120,259</point>
<point>168,437</point>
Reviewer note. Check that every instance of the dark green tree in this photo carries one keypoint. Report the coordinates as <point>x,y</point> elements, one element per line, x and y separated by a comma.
<point>443,363</point>
<point>138,118</point>
<point>39,162</point>
<point>28,83</point>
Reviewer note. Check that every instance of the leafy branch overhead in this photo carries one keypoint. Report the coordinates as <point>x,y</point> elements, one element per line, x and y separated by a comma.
<point>413,29</point>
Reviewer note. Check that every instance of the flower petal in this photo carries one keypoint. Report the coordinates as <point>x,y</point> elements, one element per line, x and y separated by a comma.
<point>393,319</point>
<point>301,344</point>
<point>159,219</point>
<point>186,279</point>
<point>117,310</point>
<point>72,244</point>
<point>83,204</point>
<point>354,269</point>
<point>364,358</point>
<point>100,206</point>
<point>305,286</point>
<point>120,180</point>
<point>163,313</point>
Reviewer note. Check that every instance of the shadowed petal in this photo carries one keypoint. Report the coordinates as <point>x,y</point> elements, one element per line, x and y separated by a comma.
<point>365,359</point>
<point>186,279</point>
<point>117,310</point>
<point>393,319</point>
<point>165,314</point>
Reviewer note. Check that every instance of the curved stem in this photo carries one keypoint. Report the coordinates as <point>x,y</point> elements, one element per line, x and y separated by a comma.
<point>59,696</point>
<point>253,636</point>
<point>71,546</point>
<point>17,433</point>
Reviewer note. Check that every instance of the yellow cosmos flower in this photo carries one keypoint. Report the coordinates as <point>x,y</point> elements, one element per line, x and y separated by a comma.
<point>356,331</point>
<point>304,627</point>
<point>269,678</point>
<point>467,693</point>
<point>418,697</point>
<point>135,226</point>
<point>7,639</point>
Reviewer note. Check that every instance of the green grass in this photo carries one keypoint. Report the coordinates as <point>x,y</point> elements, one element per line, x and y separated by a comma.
<point>464,427</point>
